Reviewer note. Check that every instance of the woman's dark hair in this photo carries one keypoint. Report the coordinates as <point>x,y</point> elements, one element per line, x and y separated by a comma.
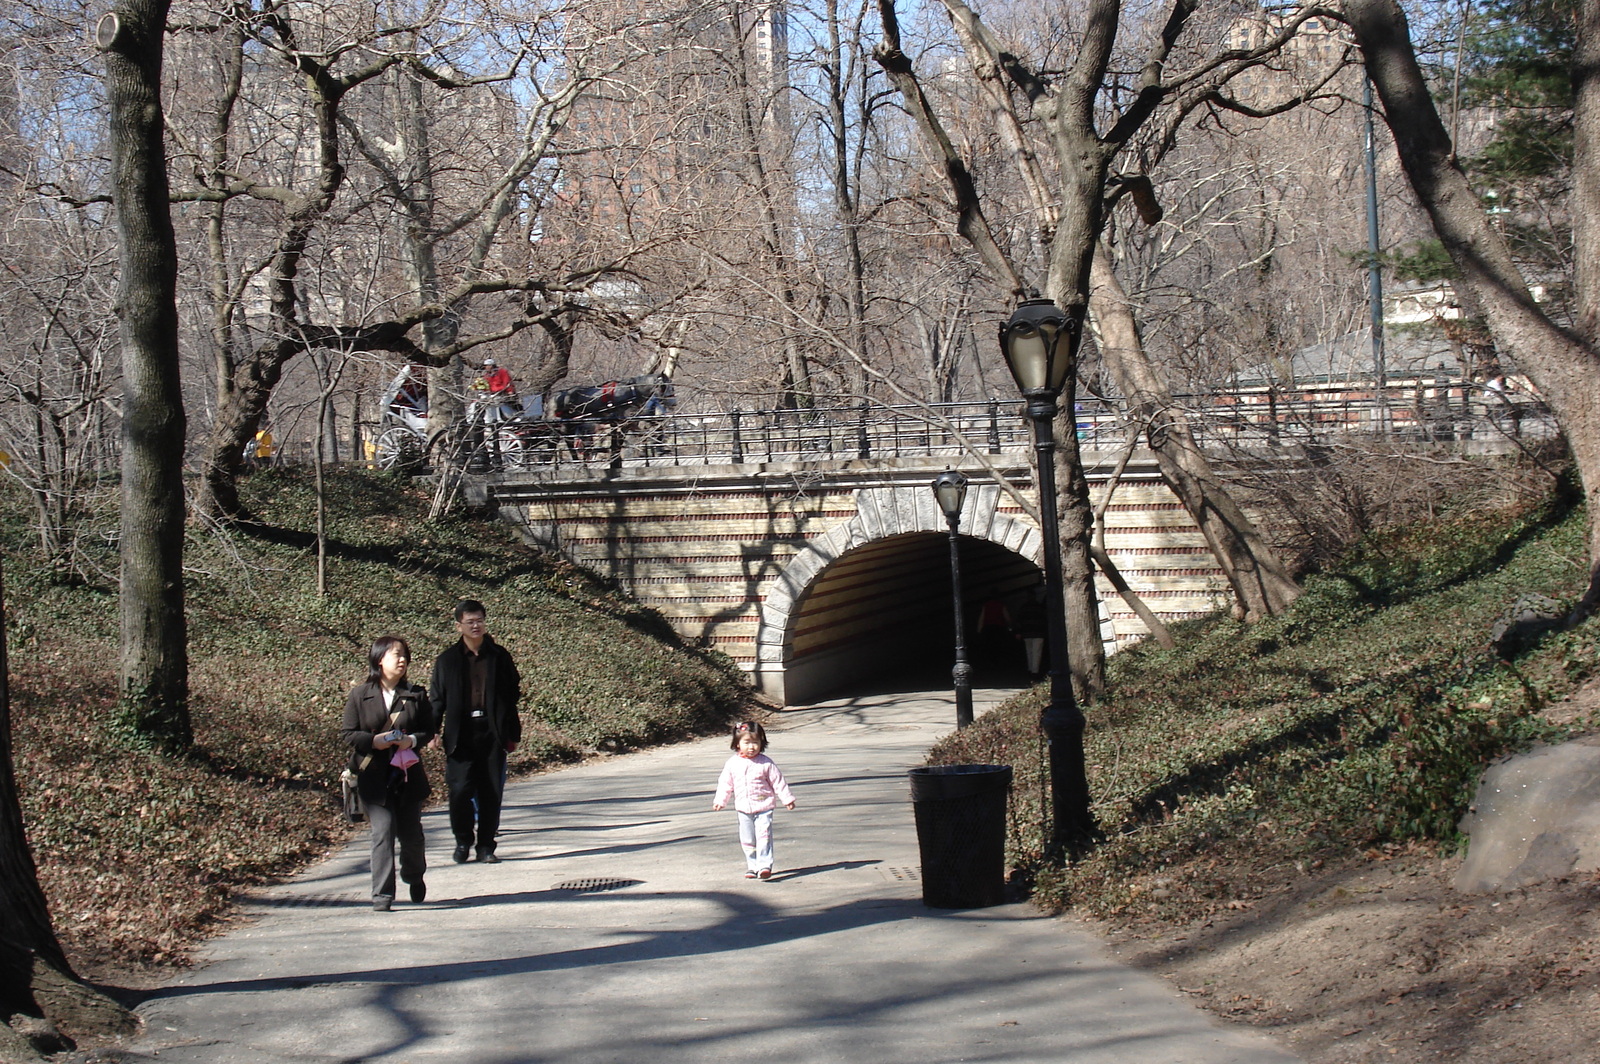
<point>748,727</point>
<point>380,647</point>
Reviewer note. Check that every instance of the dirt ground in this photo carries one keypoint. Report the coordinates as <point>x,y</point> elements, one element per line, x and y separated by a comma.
<point>1387,962</point>
<point>1381,959</point>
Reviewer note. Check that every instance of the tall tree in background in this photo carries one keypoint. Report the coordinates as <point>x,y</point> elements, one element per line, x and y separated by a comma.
<point>1512,61</point>
<point>154,673</point>
<point>1562,362</point>
<point>1081,133</point>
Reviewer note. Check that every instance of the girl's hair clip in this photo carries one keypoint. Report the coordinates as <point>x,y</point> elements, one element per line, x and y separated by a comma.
<point>744,726</point>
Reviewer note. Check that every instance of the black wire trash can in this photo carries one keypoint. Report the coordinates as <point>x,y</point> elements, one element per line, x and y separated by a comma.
<point>961,831</point>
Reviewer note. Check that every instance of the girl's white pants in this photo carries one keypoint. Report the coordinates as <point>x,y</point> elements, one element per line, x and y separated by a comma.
<point>755,835</point>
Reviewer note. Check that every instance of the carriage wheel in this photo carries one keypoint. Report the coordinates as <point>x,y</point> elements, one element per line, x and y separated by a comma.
<point>512,450</point>
<point>398,448</point>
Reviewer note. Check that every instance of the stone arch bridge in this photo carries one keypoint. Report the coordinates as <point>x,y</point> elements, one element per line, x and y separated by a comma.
<point>812,551</point>
<point>815,576</point>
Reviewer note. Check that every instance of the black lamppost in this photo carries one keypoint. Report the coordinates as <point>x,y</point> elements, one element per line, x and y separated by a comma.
<point>950,488</point>
<point>1040,344</point>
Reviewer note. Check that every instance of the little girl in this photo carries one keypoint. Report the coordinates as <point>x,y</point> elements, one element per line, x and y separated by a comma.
<point>756,786</point>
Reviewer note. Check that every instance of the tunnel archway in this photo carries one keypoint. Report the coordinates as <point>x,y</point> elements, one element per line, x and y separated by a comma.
<point>869,604</point>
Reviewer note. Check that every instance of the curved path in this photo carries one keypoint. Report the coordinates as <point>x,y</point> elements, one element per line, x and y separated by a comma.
<point>619,930</point>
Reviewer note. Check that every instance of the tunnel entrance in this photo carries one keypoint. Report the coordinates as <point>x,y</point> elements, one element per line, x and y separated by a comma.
<point>881,617</point>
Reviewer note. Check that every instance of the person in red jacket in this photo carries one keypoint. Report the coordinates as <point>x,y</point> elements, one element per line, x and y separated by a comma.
<point>503,401</point>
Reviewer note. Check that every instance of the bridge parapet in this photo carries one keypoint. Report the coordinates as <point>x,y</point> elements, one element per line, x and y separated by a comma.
<point>1431,411</point>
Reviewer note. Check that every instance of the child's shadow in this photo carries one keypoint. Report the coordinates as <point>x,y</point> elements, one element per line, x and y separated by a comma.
<point>812,870</point>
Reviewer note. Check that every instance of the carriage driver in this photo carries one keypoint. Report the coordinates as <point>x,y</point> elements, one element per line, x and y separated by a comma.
<point>503,401</point>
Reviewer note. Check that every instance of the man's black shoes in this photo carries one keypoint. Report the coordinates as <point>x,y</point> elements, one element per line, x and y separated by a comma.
<point>419,892</point>
<point>488,857</point>
<point>460,856</point>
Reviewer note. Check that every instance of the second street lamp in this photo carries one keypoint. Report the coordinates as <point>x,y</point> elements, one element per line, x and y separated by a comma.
<point>1040,343</point>
<point>950,488</point>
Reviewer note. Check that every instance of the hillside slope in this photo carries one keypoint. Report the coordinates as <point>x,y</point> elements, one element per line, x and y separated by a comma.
<point>139,853</point>
<point>1280,803</point>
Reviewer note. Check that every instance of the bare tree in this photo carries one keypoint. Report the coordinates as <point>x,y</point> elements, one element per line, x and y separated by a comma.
<point>314,55</point>
<point>154,672</point>
<point>1563,363</point>
<point>58,420</point>
<point>1075,518</point>
<point>419,153</point>
<point>1260,581</point>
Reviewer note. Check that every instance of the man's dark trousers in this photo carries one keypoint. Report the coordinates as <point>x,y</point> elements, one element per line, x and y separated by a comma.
<point>480,780</point>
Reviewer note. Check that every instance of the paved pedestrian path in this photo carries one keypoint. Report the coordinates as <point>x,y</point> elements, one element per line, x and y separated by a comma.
<point>619,930</point>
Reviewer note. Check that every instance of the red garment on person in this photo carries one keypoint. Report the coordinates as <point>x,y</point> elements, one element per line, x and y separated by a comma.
<point>498,380</point>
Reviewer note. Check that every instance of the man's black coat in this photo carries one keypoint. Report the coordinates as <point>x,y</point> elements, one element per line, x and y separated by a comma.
<point>451,690</point>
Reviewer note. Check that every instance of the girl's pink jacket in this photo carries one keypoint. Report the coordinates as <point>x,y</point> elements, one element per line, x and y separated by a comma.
<point>753,783</point>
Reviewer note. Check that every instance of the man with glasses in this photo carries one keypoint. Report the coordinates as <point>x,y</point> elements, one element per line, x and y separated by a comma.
<point>475,690</point>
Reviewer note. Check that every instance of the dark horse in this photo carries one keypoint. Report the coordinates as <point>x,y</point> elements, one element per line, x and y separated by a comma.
<point>581,411</point>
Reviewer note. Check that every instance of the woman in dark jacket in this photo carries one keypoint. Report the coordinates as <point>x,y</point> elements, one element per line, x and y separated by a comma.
<point>386,721</point>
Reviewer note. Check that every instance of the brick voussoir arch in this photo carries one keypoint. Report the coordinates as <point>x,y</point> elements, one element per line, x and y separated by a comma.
<point>880,514</point>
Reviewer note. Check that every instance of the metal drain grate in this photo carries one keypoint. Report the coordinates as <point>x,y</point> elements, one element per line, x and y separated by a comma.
<point>590,886</point>
<point>901,874</point>
<point>303,901</point>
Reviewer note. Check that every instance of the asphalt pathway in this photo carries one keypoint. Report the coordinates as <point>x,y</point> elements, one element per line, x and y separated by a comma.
<point>619,929</point>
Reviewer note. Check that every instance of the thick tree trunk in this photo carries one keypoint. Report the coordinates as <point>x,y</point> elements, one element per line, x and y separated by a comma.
<point>154,672</point>
<point>1564,366</point>
<point>1585,204</point>
<point>25,930</point>
<point>237,419</point>
<point>1260,581</point>
<point>1086,654</point>
<point>559,332</point>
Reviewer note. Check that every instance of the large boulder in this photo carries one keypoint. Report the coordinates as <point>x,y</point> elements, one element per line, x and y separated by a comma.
<point>1536,817</point>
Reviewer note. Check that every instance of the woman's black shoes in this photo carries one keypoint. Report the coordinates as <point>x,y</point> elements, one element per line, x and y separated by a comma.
<point>419,892</point>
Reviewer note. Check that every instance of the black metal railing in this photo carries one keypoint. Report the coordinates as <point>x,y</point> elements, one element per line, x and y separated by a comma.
<point>1245,419</point>
<point>874,433</point>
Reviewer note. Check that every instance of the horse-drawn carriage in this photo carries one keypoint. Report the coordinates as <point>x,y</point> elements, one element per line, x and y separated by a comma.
<point>501,434</point>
